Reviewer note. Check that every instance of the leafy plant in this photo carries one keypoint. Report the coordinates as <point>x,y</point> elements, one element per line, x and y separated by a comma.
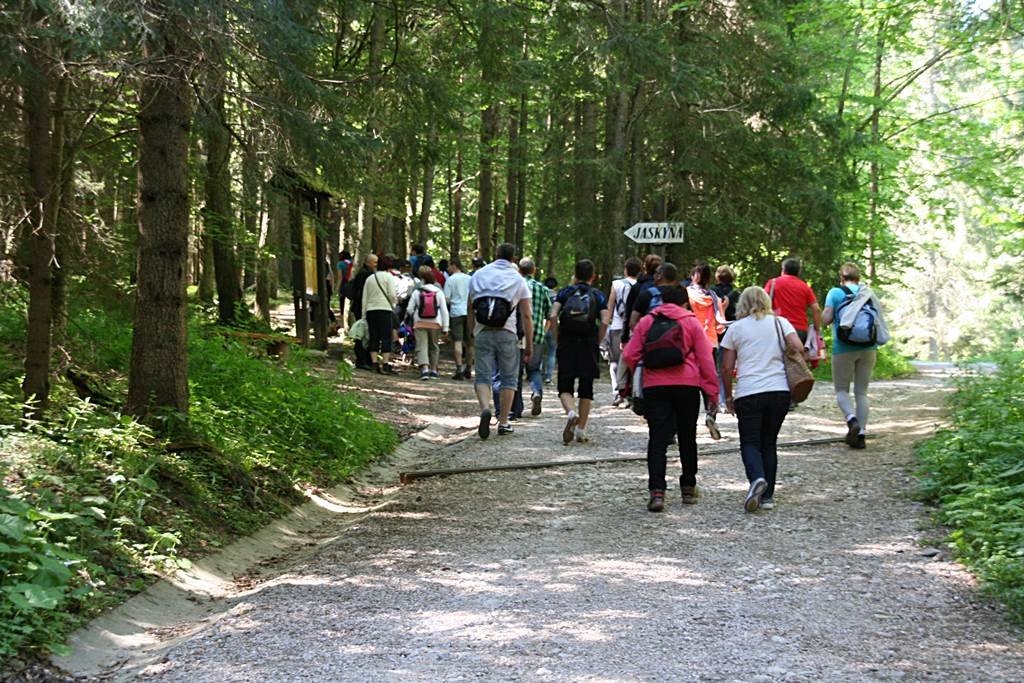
<point>973,471</point>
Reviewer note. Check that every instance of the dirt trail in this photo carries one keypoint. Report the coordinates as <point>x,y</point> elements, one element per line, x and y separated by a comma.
<point>560,574</point>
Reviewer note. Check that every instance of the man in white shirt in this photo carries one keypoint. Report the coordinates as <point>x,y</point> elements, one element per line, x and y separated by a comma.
<point>617,308</point>
<point>456,292</point>
<point>497,293</point>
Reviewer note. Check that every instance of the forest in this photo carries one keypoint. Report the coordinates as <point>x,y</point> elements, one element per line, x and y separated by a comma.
<point>152,152</point>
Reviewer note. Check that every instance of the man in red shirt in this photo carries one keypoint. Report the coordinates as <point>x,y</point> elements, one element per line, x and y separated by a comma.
<point>791,297</point>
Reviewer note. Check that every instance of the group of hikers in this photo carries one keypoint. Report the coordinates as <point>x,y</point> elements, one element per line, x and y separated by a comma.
<point>676,342</point>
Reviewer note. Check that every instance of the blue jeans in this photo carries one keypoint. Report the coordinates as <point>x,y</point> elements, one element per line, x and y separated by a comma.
<point>534,374</point>
<point>497,351</point>
<point>760,417</point>
<point>548,359</point>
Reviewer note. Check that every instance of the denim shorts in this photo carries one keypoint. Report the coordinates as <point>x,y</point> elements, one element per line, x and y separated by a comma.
<point>497,351</point>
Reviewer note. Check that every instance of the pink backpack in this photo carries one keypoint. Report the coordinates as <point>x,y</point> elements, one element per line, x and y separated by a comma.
<point>428,303</point>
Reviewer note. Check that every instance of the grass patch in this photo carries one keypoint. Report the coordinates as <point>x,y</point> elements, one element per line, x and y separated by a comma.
<point>94,504</point>
<point>974,471</point>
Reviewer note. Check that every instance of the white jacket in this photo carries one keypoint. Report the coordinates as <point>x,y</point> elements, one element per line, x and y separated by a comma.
<point>440,321</point>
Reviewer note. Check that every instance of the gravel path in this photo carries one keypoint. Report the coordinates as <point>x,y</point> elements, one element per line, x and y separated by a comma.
<point>561,575</point>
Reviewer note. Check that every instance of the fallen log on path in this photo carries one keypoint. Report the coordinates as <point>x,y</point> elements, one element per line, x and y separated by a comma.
<point>413,475</point>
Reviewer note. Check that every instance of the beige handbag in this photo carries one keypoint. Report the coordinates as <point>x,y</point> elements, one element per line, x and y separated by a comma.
<point>798,375</point>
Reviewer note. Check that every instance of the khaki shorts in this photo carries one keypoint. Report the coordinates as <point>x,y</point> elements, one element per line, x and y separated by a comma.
<point>458,330</point>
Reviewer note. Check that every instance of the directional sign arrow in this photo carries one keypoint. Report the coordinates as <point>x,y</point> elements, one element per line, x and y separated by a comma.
<point>656,233</point>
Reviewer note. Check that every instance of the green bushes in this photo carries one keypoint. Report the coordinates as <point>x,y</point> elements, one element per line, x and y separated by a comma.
<point>974,470</point>
<point>92,502</point>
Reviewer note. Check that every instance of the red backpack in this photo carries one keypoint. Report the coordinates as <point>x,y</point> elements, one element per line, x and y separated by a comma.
<point>664,344</point>
<point>428,303</point>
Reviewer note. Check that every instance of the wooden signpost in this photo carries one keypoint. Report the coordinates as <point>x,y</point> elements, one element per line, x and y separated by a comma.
<point>656,233</point>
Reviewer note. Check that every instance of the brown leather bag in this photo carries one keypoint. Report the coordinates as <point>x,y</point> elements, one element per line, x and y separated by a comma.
<point>798,375</point>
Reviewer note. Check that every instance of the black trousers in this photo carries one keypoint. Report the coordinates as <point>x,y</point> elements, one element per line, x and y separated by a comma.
<point>760,417</point>
<point>671,410</point>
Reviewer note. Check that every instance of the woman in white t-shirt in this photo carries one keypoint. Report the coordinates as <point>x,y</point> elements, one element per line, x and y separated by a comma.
<point>754,346</point>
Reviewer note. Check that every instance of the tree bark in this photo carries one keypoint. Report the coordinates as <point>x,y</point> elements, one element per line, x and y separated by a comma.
<point>250,211</point>
<point>369,237</point>
<point>62,243</point>
<point>456,249</point>
<point>42,213</point>
<point>423,233</point>
<point>158,376</point>
<point>520,233</point>
<point>585,195</point>
<point>876,170</point>
<point>512,177</point>
<point>485,201</point>
<point>218,222</point>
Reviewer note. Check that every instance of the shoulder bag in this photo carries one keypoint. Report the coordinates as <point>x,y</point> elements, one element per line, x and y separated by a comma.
<point>798,376</point>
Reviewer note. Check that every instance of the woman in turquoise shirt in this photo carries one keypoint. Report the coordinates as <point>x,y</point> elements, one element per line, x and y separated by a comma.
<point>849,361</point>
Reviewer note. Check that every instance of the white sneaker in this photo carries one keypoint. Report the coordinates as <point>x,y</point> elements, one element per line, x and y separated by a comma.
<point>712,427</point>
<point>581,435</point>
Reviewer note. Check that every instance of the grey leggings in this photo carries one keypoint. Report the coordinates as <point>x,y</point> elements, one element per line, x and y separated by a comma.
<point>855,366</point>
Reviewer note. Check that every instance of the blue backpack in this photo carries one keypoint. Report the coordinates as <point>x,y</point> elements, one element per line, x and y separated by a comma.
<point>655,297</point>
<point>863,331</point>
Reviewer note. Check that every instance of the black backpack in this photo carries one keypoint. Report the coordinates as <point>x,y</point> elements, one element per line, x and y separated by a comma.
<point>578,316</point>
<point>492,311</point>
<point>663,345</point>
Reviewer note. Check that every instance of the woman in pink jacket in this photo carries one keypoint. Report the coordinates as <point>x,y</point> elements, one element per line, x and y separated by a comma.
<point>672,394</point>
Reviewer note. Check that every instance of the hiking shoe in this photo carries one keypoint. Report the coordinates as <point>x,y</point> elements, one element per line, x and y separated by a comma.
<point>570,429</point>
<point>434,375</point>
<point>656,502</point>
<point>861,442</point>
<point>617,401</point>
<point>387,369</point>
<point>457,376</point>
<point>547,381</point>
<point>379,370</point>
<point>767,503</point>
<point>505,430</point>
<point>712,427</point>
<point>689,494</point>
<point>484,430</point>
<point>753,500</point>
<point>535,408</point>
<point>852,432</point>
<point>424,375</point>
<point>581,435</point>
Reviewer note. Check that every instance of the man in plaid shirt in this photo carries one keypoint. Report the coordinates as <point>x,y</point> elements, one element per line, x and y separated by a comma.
<point>541,307</point>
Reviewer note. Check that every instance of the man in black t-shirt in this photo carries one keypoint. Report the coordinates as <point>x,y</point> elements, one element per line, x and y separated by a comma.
<point>650,298</point>
<point>646,279</point>
<point>579,319</point>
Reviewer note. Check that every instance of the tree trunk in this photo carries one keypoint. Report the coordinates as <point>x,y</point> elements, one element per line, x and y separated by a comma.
<point>369,237</point>
<point>265,261</point>
<point>423,233</point>
<point>42,214</point>
<point>512,177</point>
<point>299,300</point>
<point>457,204</point>
<point>876,170</point>
<point>250,211</point>
<point>217,214</point>
<point>64,163</point>
<point>485,201</point>
<point>520,233</point>
<point>585,195</point>
<point>158,377</point>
